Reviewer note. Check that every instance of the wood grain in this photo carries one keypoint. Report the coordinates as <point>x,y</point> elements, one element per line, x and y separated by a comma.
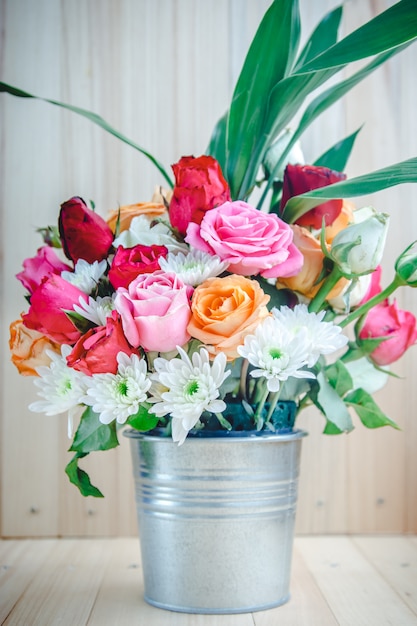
<point>162,72</point>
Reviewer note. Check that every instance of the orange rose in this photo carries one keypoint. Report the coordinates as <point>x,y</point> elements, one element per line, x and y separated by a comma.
<point>305,282</point>
<point>344,218</point>
<point>224,311</point>
<point>28,347</point>
<point>129,211</point>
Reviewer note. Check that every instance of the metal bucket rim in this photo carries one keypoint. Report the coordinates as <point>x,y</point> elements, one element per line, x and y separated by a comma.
<point>215,437</point>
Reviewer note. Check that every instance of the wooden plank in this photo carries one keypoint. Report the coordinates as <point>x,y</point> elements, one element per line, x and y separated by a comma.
<point>307,605</point>
<point>356,593</point>
<point>395,558</point>
<point>120,599</point>
<point>19,563</point>
<point>64,588</point>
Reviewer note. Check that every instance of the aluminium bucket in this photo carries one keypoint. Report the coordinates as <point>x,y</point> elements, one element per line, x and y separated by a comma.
<point>216,519</point>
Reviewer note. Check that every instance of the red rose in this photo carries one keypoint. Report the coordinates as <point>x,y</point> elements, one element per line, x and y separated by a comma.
<point>128,263</point>
<point>96,351</point>
<point>299,179</point>
<point>45,263</point>
<point>84,234</point>
<point>199,187</point>
<point>387,320</point>
<point>48,304</point>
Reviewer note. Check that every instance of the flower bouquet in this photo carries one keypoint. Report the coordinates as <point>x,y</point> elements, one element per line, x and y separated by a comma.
<point>204,310</point>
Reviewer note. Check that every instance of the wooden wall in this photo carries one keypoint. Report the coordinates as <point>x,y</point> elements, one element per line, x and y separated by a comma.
<point>162,72</point>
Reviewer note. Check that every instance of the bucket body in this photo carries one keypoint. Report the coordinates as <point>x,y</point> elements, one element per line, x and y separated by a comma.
<point>216,520</point>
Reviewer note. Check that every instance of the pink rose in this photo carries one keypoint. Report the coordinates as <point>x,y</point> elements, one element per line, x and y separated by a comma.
<point>199,186</point>
<point>48,304</point>
<point>252,242</point>
<point>84,234</point>
<point>155,311</point>
<point>128,263</point>
<point>387,320</point>
<point>96,351</point>
<point>45,263</point>
<point>374,287</point>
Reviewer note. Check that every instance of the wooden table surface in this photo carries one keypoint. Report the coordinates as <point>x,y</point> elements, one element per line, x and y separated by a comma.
<point>350,581</point>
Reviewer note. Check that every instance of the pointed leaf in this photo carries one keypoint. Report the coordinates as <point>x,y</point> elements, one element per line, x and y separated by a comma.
<point>331,404</point>
<point>324,36</point>
<point>336,157</point>
<point>389,29</point>
<point>93,435</point>
<point>266,63</point>
<point>93,117</point>
<point>80,478</point>
<point>368,411</point>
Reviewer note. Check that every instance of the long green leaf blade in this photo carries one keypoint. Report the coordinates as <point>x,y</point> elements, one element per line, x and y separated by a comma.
<point>93,117</point>
<point>336,157</point>
<point>266,63</point>
<point>323,36</point>
<point>397,174</point>
<point>394,27</point>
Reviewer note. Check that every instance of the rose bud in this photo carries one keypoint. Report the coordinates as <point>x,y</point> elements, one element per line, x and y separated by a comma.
<point>398,326</point>
<point>84,234</point>
<point>128,263</point>
<point>35,269</point>
<point>299,179</point>
<point>358,248</point>
<point>96,351</point>
<point>406,265</point>
<point>199,187</point>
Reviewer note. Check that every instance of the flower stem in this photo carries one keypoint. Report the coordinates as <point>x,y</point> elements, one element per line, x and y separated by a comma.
<point>328,284</point>
<point>261,404</point>
<point>367,306</point>
<point>272,405</point>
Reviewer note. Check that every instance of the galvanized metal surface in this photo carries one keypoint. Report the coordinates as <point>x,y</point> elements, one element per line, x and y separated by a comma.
<point>216,520</point>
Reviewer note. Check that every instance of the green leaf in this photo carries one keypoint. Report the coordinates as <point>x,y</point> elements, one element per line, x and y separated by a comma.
<point>217,145</point>
<point>338,155</point>
<point>331,404</point>
<point>394,27</point>
<point>143,420</point>
<point>266,64</point>
<point>93,117</point>
<point>339,378</point>
<point>80,478</point>
<point>367,410</point>
<point>320,104</point>
<point>397,174</point>
<point>324,36</point>
<point>93,435</point>
<point>81,323</point>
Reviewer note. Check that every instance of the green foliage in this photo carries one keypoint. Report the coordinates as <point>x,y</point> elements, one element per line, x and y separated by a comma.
<point>143,420</point>
<point>92,435</point>
<point>368,411</point>
<point>80,478</point>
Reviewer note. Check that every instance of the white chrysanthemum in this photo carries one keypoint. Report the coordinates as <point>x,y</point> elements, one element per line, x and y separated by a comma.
<point>192,386</point>
<point>117,396</point>
<point>97,310</point>
<point>85,275</point>
<point>195,267</point>
<point>141,232</point>
<point>62,387</point>
<point>321,337</point>
<point>276,353</point>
